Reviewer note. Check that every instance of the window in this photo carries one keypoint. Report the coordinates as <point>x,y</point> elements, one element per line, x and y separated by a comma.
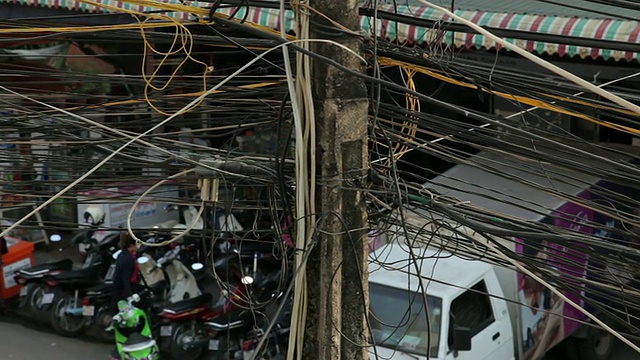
<point>471,310</point>
<point>399,321</point>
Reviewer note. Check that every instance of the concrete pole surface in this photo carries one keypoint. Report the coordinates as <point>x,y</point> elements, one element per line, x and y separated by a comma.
<point>337,270</point>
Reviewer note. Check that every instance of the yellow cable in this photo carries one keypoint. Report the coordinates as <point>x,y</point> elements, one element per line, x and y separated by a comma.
<point>187,41</point>
<point>93,28</point>
<point>182,33</point>
<point>521,99</point>
<point>412,103</point>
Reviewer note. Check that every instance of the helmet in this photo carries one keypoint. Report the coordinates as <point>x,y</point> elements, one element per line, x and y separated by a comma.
<point>94,215</point>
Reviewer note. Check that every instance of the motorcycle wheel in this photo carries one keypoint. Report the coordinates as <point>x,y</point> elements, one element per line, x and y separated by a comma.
<point>227,348</point>
<point>23,304</point>
<point>177,349</point>
<point>34,306</point>
<point>63,323</point>
<point>102,320</point>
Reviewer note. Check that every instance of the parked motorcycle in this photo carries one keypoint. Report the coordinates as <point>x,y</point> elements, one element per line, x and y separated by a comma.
<point>181,283</point>
<point>228,332</point>
<point>189,325</point>
<point>35,296</point>
<point>96,305</point>
<point>64,291</point>
<point>166,279</point>
<point>31,281</point>
<point>182,331</point>
<point>33,288</point>
<point>276,348</point>
<point>273,345</point>
<point>132,331</point>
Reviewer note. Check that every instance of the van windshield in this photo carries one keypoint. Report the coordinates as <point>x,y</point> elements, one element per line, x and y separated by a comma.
<point>398,320</point>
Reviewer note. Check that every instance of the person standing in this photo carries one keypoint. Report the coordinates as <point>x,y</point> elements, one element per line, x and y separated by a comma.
<point>126,277</point>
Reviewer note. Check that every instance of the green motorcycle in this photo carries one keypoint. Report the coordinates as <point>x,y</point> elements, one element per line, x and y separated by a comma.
<point>134,339</point>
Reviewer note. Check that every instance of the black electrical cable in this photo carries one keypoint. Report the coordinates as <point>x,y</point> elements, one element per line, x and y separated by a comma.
<point>593,11</point>
<point>442,104</point>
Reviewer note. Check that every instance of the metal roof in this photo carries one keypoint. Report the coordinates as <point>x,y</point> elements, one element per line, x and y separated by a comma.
<point>502,193</point>
<point>449,275</point>
<point>577,8</point>
<point>618,26</point>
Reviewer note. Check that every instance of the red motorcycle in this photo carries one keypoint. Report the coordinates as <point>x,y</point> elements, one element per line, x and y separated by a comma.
<point>183,334</point>
<point>192,325</point>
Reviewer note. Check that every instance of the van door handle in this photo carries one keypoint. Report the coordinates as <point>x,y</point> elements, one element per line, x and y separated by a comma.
<point>495,336</point>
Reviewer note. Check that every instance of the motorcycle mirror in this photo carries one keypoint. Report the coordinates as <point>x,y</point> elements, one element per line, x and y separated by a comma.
<point>199,225</point>
<point>116,254</point>
<point>55,238</point>
<point>143,260</point>
<point>247,280</point>
<point>197,266</point>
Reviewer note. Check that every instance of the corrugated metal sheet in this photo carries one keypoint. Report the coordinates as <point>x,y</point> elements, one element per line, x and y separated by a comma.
<point>534,7</point>
<point>586,28</point>
<point>510,16</point>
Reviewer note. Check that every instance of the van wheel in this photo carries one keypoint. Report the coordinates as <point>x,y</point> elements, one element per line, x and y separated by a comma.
<point>597,345</point>
<point>567,349</point>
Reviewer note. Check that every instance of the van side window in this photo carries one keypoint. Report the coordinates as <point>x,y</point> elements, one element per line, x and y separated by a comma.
<point>472,310</point>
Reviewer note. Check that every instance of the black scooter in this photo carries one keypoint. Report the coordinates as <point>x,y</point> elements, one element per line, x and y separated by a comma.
<point>33,295</point>
<point>64,291</point>
<point>96,303</point>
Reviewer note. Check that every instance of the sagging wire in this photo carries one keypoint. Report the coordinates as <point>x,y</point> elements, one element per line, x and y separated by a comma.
<point>141,197</point>
<point>529,56</point>
<point>137,137</point>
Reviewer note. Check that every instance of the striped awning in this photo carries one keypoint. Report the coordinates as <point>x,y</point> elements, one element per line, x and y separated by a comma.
<point>601,29</point>
<point>108,5</point>
<point>584,28</point>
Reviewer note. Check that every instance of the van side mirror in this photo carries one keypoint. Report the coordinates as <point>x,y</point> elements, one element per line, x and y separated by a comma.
<point>461,339</point>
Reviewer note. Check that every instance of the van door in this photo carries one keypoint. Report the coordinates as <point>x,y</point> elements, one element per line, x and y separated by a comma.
<point>491,335</point>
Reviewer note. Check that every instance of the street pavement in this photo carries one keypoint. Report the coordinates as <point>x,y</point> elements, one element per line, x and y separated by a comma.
<point>23,340</point>
<point>20,340</point>
<point>624,352</point>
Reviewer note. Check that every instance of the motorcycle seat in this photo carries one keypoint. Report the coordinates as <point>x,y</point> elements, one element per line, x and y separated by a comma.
<point>99,289</point>
<point>156,307</point>
<point>137,342</point>
<point>189,304</point>
<point>83,274</point>
<point>65,264</point>
<point>231,320</point>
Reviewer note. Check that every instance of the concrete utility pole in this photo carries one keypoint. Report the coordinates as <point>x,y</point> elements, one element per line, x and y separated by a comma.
<point>337,270</point>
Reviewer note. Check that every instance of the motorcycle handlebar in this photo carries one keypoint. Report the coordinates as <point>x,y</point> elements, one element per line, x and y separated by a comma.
<point>69,245</point>
<point>257,254</point>
<point>133,299</point>
<point>169,256</point>
<point>130,301</point>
